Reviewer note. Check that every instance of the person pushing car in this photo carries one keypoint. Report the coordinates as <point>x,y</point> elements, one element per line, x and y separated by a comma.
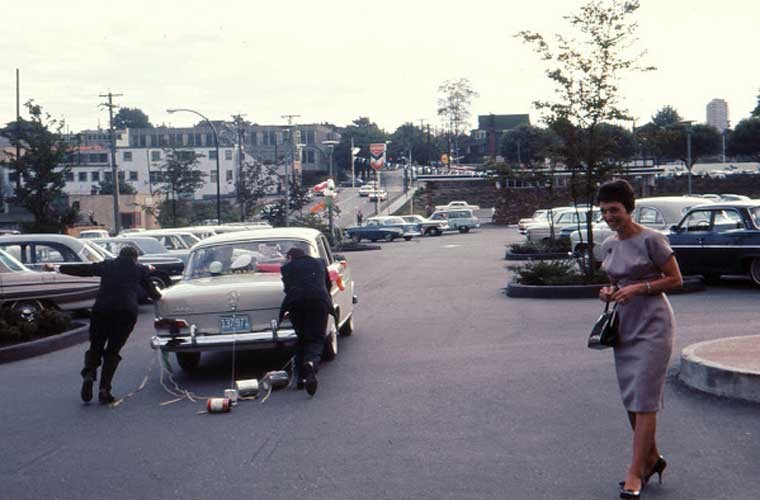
<point>113,316</point>
<point>308,303</point>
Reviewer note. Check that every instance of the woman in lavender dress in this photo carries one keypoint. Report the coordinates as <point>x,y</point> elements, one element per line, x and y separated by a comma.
<point>641,266</point>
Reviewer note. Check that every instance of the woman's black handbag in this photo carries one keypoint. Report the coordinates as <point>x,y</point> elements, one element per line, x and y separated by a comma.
<point>605,332</point>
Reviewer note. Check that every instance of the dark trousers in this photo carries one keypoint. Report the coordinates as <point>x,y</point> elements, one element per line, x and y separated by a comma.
<point>108,334</point>
<point>309,319</point>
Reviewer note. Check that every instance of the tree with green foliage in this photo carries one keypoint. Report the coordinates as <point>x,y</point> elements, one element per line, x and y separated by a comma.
<point>756,112</point>
<point>106,187</point>
<point>425,147</point>
<point>586,68</point>
<point>43,168</point>
<point>131,118</point>
<point>454,101</point>
<point>179,178</point>
<point>256,180</point>
<point>744,140</point>
<point>364,132</point>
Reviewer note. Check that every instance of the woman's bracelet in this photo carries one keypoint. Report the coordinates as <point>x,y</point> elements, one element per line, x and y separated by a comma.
<point>649,288</point>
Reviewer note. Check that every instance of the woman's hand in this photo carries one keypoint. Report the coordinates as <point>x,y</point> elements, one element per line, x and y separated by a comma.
<point>625,294</point>
<point>605,293</point>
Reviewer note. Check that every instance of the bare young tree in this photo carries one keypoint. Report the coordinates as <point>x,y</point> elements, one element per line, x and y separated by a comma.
<point>454,108</point>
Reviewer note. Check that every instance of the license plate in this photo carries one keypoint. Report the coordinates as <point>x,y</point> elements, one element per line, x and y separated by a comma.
<point>234,324</point>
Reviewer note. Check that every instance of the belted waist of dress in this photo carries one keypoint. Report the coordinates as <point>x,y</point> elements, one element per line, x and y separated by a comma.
<point>636,282</point>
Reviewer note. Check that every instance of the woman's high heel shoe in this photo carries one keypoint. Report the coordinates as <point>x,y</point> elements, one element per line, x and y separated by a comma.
<point>658,468</point>
<point>625,493</point>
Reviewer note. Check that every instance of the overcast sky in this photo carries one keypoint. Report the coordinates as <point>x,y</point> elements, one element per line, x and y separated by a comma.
<point>335,60</point>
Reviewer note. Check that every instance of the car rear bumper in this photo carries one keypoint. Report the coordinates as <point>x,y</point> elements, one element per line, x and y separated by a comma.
<point>224,342</point>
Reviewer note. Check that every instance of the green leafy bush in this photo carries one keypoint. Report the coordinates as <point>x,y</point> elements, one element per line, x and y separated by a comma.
<point>14,328</point>
<point>554,272</point>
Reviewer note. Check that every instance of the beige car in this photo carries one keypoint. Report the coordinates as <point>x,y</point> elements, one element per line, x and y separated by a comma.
<point>231,291</point>
<point>30,292</point>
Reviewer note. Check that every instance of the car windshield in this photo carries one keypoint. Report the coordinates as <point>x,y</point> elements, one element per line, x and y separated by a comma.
<point>755,214</point>
<point>189,239</point>
<point>244,257</point>
<point>10,262</point>
<point>94,253</point>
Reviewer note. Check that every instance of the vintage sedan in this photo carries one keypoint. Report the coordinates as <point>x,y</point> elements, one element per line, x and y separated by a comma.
<point>409,229</point>
<point>373,230</point>
<point>36,250</point>
<point>231,291</point>
<point>658,213</point>
<point>719,239</point>
<point>563,217</point>
<point>29,292</point>
<point>425,226</point>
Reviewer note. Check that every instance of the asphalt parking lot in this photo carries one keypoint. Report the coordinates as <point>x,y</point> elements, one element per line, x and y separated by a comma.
<point>447,390</point>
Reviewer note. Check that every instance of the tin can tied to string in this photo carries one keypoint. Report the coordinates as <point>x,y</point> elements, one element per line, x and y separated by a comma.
<point>218,405</point>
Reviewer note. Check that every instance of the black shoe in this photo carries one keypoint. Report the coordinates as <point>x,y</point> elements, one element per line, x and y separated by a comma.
<point>309,373</point>
<point>86,392</point>
<point>105,397</point>
<point>626,493</point>
<point>658,468</point>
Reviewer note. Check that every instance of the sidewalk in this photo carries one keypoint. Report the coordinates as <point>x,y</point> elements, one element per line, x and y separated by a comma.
<point>727,367</point>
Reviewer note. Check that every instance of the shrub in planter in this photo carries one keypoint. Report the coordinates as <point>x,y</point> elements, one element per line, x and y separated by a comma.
<point>14,328</point>
<point>561,245</point>
<point>554,272</point>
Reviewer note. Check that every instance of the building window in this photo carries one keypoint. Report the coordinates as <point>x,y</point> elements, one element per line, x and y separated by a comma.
<point>209,139</point>
<point>95,176</point>
<point>82,176</point>
<point>127,155</point>
<point>309,137</point>
<point>229,175</point>
<point>109,177</point>
<point>155,177</point>
<point>254,138</point>
<point>212,176</point>
<point>121,176</point>
<point>228,154</point>
<point>132,175</point>
<point>141,140</point>
<point>212,154</point>
<point>308,156</point>
<point>155,156</point>
<point>69,176</point>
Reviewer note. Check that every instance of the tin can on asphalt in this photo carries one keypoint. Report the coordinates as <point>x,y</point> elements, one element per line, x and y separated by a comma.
<point>218,405</point>
<point>247,387</point>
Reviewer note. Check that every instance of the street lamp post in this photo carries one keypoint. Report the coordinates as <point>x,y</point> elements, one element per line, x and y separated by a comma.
<point>216,146</point>
<point>331,148</point>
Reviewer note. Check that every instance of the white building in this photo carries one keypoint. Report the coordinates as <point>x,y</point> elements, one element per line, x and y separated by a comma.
<point>717,114</point>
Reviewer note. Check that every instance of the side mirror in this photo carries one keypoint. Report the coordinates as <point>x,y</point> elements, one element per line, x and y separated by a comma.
<point>339,257</point>
<point>674,229</point>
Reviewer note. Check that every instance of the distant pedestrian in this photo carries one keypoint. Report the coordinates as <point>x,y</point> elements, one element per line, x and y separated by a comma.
<point>308,303</point>
<point>359,217</point>
<point>113,316</point>
<point>429,209</point>
<point>641,266</point>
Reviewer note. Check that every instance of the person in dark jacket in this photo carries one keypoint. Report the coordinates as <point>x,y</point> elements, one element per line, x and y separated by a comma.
<point>113,316</point>
<point>308,303</point>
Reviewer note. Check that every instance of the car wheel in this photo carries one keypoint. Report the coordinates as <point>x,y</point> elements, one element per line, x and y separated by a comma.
<point>330,350</point>
<point>356,238</point>
<point>437,231</point>
<point>463,229</point>
<point>754,271</point>
<point>407,238</point>
<point>189,361</point>
<point>373,240</point>
<point>158,282</point>
<point>28,309</point>
<point>348,327</point>
<point>388,237</point>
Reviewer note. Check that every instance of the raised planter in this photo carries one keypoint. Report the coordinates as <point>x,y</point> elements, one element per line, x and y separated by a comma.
<point>24,350</point>
<point>510,255</point>
<point>357,247</point>
<point>690,284</point>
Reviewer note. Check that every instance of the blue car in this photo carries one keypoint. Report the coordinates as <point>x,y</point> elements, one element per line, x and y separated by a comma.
<point>382,228</point>
<point>718,239</point>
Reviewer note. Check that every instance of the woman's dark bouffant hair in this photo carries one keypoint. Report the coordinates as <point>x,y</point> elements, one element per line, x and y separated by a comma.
<point>618,190</point>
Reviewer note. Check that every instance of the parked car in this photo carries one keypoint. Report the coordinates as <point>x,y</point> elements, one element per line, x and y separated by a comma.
<point>36,250</point>
<point>131,230</point>
<point>29,292</point>
<point>462,220</point>
<point>427,227</point>
<point>409,230</point>
<point>378,195</point>
<point>373,231</point>
<point>177,241</point>
<point>231,293</point>
<point>717,239</point>
<point>658,213</point>
<point>564,217</point>
<point>167,269</point>
<point>93,233</point>
<point>541,215</point>
<point>457,204</point>
<point>366,189</point>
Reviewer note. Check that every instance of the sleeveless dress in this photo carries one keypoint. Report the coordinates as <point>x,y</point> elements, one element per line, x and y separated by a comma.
<point>647,324</point>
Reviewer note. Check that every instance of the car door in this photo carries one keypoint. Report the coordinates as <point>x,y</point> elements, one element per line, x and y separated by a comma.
<point>336,270</point>
<point>688,239</point>
<point>723,247</point>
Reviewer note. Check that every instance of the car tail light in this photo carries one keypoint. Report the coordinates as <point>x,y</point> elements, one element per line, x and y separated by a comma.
<point>173,325</point>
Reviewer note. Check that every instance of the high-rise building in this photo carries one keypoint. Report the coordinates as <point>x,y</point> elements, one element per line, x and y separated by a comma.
<point>717,114</point>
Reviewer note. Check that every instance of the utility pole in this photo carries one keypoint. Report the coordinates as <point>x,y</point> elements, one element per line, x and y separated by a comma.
<point>114,173</point>
<point>18,132</point>
<point>290,161</point>
<point>238,119</point>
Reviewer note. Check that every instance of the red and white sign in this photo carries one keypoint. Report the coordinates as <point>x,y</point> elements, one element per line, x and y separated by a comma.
<point>377,155</point>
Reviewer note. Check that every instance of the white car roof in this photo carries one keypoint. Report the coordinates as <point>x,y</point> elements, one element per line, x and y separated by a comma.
<point>301,233</point>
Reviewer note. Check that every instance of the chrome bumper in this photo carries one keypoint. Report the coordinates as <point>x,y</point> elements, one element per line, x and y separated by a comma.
<point>223,342</point>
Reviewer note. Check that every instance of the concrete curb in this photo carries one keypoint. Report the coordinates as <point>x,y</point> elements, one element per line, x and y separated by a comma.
<point>720,378</point>
<point>518,291</point>
<point>45,345</point>
<point>536,256</point>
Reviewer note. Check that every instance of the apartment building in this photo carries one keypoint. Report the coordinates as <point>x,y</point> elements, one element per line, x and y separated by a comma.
<point>717,114</point>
